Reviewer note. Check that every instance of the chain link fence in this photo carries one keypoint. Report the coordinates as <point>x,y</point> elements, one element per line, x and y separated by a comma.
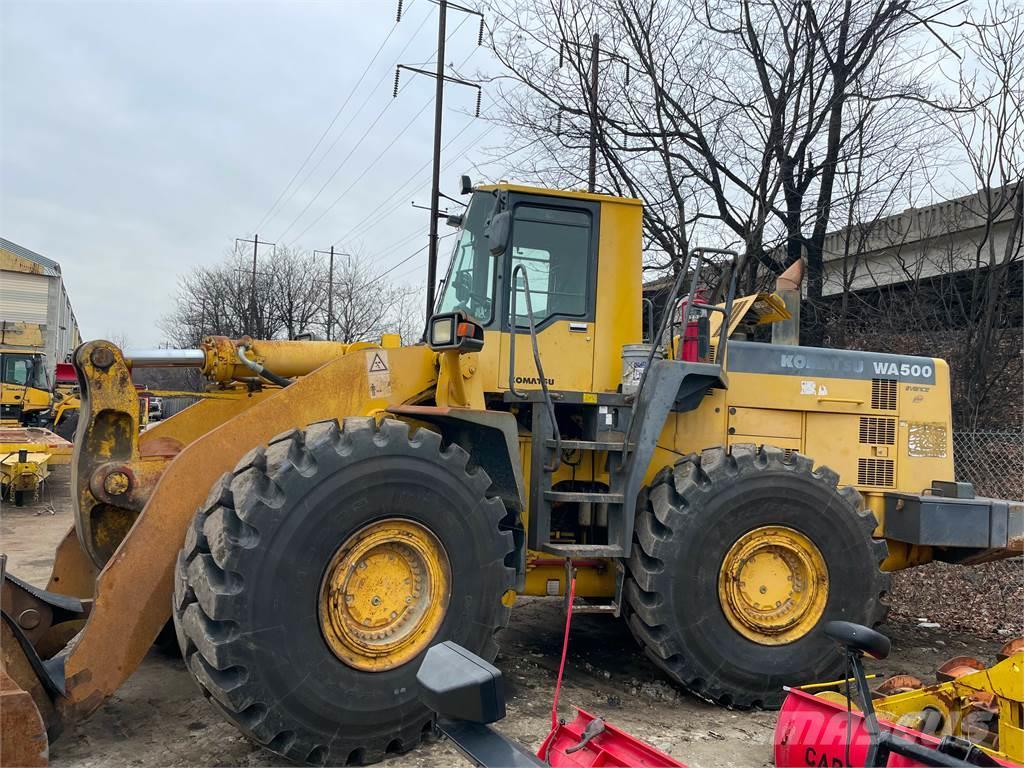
<point>992,461</point>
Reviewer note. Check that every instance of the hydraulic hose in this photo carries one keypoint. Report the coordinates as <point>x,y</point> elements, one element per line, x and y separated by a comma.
<point>520,270</point>
<point>259,370</point>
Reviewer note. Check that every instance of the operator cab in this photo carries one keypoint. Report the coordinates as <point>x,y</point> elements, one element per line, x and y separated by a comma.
<point>553,238</point>
<point>24,385</point>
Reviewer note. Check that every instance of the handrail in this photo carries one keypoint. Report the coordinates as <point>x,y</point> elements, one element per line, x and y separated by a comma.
<point>520,269</point>
<point>670,311</point>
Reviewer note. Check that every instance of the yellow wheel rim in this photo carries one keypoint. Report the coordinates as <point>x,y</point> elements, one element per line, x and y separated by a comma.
<point>384,594</point>
<point>773,585</point>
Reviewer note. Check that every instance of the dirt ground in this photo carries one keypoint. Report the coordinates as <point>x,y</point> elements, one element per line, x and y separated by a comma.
<point>158,718</point>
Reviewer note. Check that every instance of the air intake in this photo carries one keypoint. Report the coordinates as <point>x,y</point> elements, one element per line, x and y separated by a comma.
<point>876,430</point>
<point>883,394</point>
<point>877,472</point>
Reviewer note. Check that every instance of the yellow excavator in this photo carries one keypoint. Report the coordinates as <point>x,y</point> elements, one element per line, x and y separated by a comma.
<point>331,510</point>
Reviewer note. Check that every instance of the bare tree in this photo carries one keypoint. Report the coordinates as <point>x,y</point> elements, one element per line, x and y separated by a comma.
<point>991,140</point>
<point>739,119</point>
<point>363,303</point>
<point>300,291</point>
<point>289,298</point>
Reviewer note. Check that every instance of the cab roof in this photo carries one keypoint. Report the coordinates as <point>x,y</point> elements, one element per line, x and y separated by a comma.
<point>569,193</point>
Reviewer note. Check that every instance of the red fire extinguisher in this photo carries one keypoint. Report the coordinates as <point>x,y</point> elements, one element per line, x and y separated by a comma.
<point>694,345</point>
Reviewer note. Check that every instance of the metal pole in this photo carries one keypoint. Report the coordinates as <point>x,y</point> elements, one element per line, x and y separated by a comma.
<point>252,287</point>
<point>435,191</point>
<point>595,45</point>
<point>330,296</point>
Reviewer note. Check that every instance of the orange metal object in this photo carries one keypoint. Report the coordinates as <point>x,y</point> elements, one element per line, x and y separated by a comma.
<point>958,666</point>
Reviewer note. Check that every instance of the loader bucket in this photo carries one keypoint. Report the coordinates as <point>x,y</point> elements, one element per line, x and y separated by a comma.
<point>23,740</point>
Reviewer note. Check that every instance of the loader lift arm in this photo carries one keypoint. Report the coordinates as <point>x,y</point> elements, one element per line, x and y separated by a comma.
<point>134,587</point>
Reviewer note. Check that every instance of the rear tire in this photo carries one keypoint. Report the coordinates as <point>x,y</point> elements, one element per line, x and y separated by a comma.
<point>248,584</point>
<point>689,521</point>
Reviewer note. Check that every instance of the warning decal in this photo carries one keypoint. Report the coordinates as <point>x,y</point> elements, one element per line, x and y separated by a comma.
<point>378,374</point>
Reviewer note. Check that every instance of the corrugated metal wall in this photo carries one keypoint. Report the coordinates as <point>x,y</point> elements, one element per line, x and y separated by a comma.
<point>23,297</point>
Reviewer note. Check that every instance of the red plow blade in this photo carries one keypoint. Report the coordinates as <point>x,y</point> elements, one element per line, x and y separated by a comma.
<point>814,731</point>
<point>610,747</point>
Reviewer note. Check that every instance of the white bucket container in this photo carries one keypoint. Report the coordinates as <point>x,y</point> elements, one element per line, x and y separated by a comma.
<point>634,360</point>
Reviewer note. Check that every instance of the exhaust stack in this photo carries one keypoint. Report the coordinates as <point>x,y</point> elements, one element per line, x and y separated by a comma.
<point>787,287</point>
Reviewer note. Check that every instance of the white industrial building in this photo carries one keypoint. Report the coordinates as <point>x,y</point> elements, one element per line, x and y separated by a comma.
<point>35,310</point>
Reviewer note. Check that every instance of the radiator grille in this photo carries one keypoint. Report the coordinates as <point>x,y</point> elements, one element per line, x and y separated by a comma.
<point>883,394</point>
<point>876,430</point>
<point>878,472</point>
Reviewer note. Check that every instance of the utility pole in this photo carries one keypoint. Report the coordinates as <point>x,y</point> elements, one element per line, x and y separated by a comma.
<point>595,48</point>
<point>256,243</point>
<point>440,78</point>
<point>330,289</point>
<point>592,95</point>
<point>435,179</point>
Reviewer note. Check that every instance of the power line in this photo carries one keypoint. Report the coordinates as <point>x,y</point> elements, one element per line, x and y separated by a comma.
<point>350,153</point>
<point>376,215</point>
<point>334,120</point>
<point>357,113</point>
<point>369,221</point>
<point>412,255</point>
<point>366,170</point>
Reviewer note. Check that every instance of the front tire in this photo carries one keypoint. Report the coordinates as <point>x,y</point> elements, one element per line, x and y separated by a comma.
<point>738,560</point>
<point>261,562</point>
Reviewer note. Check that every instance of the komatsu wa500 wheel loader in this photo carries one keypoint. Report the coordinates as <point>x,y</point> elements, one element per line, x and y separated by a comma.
<point>332,510</point>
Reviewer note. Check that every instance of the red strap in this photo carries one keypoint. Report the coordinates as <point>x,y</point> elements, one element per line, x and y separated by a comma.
<point>565,649</point>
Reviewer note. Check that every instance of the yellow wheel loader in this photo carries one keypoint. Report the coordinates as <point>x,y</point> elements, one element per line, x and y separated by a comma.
<point>337,509</point>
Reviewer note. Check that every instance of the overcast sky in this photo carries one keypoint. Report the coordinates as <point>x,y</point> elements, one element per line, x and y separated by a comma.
<point>139,139</point>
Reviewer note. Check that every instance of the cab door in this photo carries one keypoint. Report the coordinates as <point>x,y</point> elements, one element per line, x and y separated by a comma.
<point>555,241</point>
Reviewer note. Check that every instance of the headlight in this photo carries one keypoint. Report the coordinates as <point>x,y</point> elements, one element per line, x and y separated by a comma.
<point>456,330</point>
<point>442,331</point>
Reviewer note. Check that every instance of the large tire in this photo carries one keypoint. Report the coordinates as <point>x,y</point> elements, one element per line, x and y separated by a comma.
<point>689,519</point>
<point>68,426</point>
<point>248,581</point>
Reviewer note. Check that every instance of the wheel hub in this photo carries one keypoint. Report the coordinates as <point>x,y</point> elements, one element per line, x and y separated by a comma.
<point>384,594</point>
<point>773,585</point>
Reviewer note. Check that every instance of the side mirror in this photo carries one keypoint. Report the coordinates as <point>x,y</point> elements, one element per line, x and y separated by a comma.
<point>460,685</point>
<point>498,230</point>
<point>454,220</point>
<point>465,185</point>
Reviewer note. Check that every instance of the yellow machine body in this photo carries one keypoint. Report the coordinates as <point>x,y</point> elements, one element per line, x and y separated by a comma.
<point>24,389</point>
<point>882,429</point>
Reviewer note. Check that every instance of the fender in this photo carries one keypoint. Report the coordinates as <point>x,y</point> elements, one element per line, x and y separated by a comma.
<point>492,439</point>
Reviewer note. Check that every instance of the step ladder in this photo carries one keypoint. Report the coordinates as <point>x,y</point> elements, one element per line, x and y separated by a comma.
<point>607,423</point>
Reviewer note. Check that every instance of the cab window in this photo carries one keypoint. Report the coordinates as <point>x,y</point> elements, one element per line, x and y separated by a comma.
<point>553,245</point>
<point>24,370</point>
<point>470,283</point>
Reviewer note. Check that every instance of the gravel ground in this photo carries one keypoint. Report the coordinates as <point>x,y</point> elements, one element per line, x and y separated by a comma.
<point>158,718</point>
<point>986,599</point>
